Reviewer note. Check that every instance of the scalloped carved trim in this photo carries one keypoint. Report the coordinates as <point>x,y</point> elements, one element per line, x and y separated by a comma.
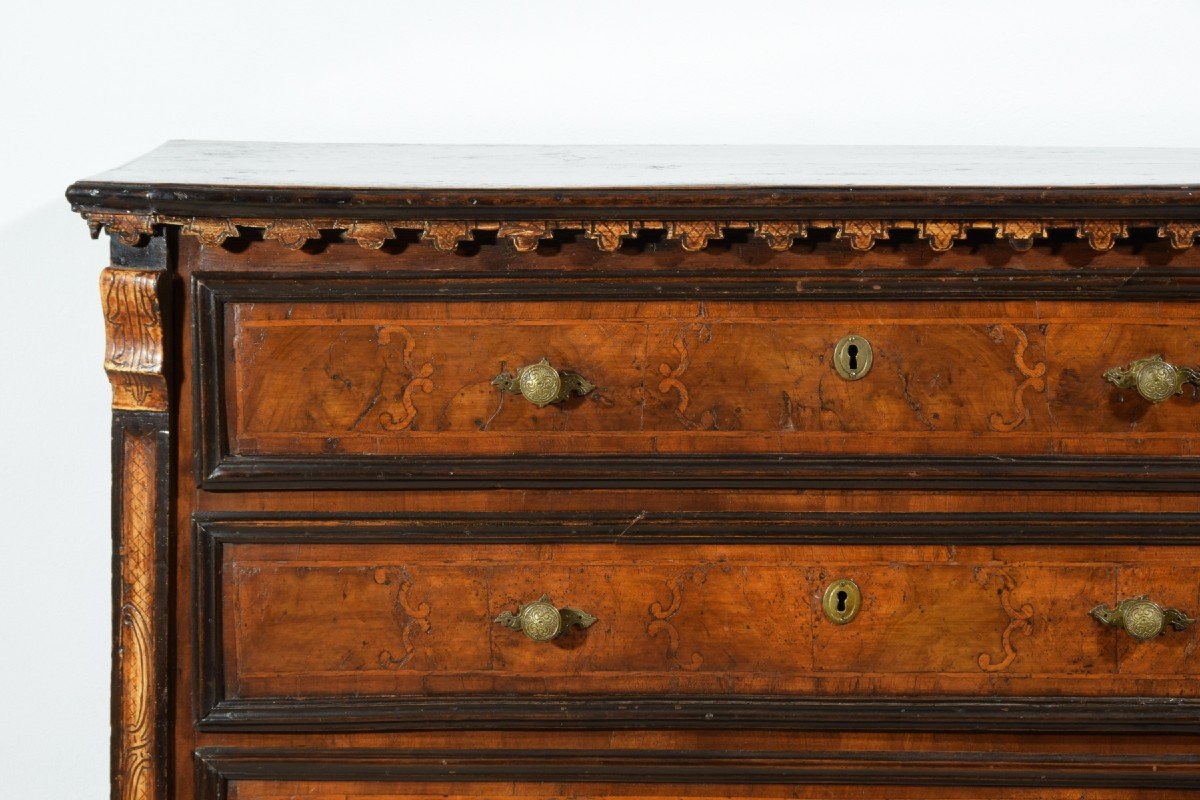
<point>370,234</point>
<point>292,233</point>
<point>861,233</point>
<point>779,235</point>
<point>1020,233</point>
<point>210,231</point>
<point>133,327</point>
<point>445,236</point>
<point>129,228</point>
<point>1103,234</point>
<point>608,234</point>
<point>525,235</point>
<point>1181,234</point>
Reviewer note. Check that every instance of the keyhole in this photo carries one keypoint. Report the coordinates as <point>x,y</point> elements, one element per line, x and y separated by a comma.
<point>852,360</point>
<point>841,600</point>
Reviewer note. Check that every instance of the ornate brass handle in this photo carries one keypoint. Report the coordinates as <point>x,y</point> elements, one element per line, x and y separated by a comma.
<point>542,621</point>
<point>1154,379</point>
<point>542,384</point>
<point>1141,618</point>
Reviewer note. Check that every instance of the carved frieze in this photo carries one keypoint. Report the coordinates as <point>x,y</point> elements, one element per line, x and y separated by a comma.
<point>608,234</point>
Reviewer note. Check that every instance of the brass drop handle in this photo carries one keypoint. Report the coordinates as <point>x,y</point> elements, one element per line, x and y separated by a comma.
<point>542,621</point>
<point>1141,618</point>
<point>542,384</point>
<point>1154,379</point>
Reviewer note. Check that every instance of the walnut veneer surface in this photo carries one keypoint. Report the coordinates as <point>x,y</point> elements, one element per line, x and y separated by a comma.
<point>328,488</point>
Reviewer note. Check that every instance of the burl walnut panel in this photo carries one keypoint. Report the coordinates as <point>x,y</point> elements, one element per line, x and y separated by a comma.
<point>384,619</point>
<point>410,378</point>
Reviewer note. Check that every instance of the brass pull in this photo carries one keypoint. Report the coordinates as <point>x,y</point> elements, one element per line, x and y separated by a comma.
<point>542,621</point>
<point>542,384</point>
<point>1154,379</point>
<point>1141,618</point>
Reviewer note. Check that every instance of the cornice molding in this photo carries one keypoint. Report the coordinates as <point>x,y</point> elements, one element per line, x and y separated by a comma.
<point>608,234</point>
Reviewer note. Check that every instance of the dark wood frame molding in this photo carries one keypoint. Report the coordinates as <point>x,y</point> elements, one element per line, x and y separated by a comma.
<point>216,768</point>
<point>1024,714</point>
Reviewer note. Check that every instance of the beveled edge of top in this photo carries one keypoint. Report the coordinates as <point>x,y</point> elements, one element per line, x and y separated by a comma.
<point>377,181</point>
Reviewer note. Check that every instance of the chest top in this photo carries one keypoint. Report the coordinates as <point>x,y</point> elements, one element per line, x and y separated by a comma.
<point>611,193</point>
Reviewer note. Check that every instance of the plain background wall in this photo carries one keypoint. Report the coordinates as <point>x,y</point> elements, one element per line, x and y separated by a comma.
<point>88,86</point>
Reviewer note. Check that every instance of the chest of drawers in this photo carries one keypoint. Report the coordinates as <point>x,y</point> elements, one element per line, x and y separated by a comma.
<point>657,472</point>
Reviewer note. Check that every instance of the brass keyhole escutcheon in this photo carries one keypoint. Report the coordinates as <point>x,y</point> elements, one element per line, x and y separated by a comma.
<point>852,357</point>
<point>842,601</point>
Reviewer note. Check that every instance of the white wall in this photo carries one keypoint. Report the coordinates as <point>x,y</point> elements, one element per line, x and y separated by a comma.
<point>86,86</point>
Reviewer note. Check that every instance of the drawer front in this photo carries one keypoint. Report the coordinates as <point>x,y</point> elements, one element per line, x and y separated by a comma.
<point>328,617</point>
<point>312,391</point>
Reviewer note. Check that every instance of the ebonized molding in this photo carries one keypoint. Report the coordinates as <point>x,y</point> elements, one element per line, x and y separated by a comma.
<point>666,203</point>
<point>216,768</point>
<point>981,714</point>
<point>218,469</point>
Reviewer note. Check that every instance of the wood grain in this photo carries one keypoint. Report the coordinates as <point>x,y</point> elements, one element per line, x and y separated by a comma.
<point>353,619</point>
<point>414,378</point>
<point>140,586</point>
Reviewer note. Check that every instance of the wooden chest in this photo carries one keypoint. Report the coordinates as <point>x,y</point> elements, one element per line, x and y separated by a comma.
<point>657,472</point>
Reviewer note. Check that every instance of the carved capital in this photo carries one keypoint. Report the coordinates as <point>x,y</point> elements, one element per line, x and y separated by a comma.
<point>133,325</point>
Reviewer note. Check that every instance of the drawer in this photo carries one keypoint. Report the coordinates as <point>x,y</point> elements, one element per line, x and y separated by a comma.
<point>348,622</point>
<point>304,384</point>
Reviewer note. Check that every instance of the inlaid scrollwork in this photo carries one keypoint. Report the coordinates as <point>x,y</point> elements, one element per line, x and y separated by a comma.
<point>672,376</point>
<point>418,379</point>
<point>411,618</point>
<point>663,614</point>
<point>1034,378</point>
<point>1020,619</point>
